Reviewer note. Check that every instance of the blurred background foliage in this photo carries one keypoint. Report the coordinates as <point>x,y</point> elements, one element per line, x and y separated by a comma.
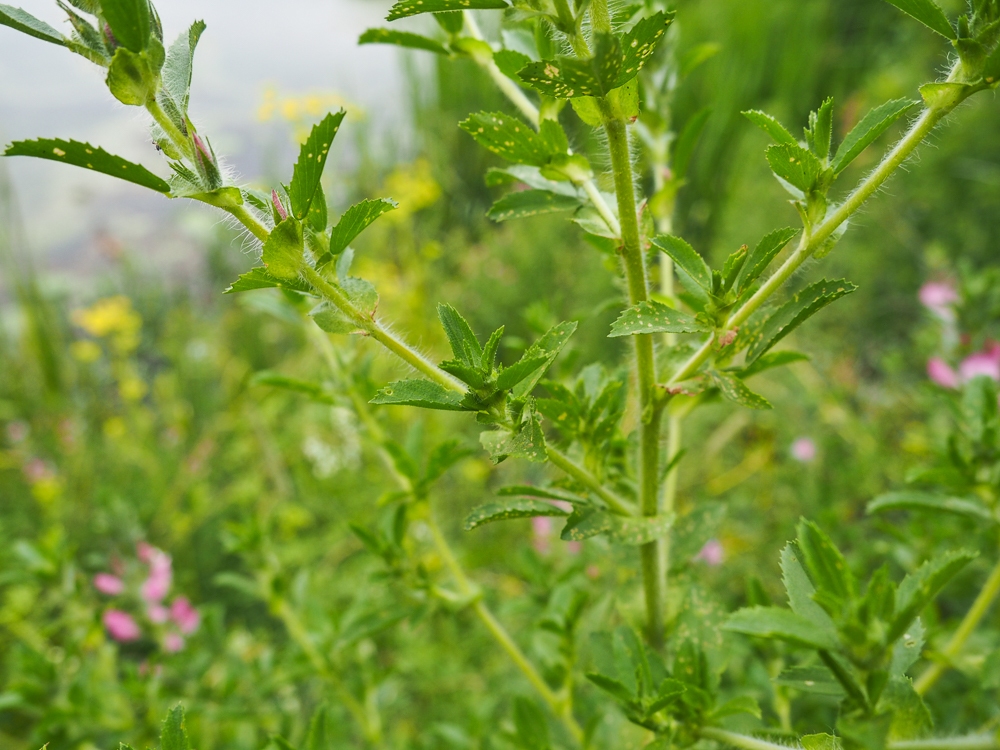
<point>130,413</point>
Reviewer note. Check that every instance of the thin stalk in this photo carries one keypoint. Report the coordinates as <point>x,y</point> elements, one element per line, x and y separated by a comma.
<point>561,461</point>
<point>248,220</point>
<point>969,623</point>
<point>172,131</point>
<point>651,554</point>
<point>968,742</point>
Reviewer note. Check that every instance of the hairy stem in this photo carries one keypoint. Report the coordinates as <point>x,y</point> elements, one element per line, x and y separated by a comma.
<point>243,215</point>
<point>968,742</point>
<point>176,137</point>
<point>561,461</point>
<point>969,623</point>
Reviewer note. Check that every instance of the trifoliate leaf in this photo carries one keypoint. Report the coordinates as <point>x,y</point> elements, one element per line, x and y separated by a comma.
<point>312,159</point>
<point>508,509</point>
<point>655,317</point>
<point>89,157</point>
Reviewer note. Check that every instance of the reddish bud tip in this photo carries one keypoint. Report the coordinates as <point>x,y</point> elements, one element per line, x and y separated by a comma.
<point>277,205</point>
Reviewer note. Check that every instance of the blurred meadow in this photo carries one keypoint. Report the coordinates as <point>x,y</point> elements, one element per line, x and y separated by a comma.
<point>141,437</point>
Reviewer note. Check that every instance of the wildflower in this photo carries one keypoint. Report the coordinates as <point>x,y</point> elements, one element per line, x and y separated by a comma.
<point>109,584</point>
<point>803,450</point>
<point>938,297</point>
<point>593,572</point>
<point>17,432</point>
<point>184,615</point>
<point>157,614</point>
<point>173,643</point>
<point>574,547</point>
<point>121,626</point>
<point>155,587</point>
<point>942,373</point>
<point>712,553</point>
<point>986,362</point>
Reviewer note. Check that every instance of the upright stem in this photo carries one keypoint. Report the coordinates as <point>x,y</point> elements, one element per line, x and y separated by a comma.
<point>968,742</point>
<point>651,415</point>
<point>167,126</point>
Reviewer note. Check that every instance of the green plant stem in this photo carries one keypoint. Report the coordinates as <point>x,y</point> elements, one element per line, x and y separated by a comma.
<point>969,623</point>
<point>243,215</point>
<point>968,742</point>
<point>561,461</point>
<point>811,241</point>
<point>182,142</point>
<point>654,584</point>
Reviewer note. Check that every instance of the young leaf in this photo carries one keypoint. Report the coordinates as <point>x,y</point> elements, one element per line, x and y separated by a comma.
<point>531,203</point>
<point>771,360</point>
<point>172,734</point>
<point>686,258</point>
<point>129,21</point>
<point>131,78</point>
<point>906,650</point>
<point>548,346</point>
<point>511,376</point>
<point>610,685</point>
<point>357,219</point>
<point>570,77</point>
<point>655,317</point>
<point>779,624</point>
<point>259,278</point>
<point>402,39</point>
<point>522,508</point>
<point>778,132</point>
<point>825,563</point>
<point>463,341</point>
<point>735,390</point>
<point>796,311</point>
<point>801,591</point>
<point>687,140</point>
<point>794,165</point>
<point>913,500</point>
<point>928,13</point>
<point>422,393</point>
<point>177,69</point>
<point>816,680</point>
<point>819,134</point>
<point>510,62</point>
<point>865,133</point>
<point>640,42</point>
<point>762,255</point>
<point>28,24</point>
<point>743,704</point>
<point>405,8</point>
<point>527,442</point>
<point>318,737</point>
<point>509,138</point>
<point>489,358</point>
<point>312,159</point>
<point>89,157</point>
<point>920,587</point>
<point>282,252</point>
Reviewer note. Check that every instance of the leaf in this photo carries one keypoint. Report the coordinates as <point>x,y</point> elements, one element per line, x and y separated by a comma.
<point>89,157</point>
<point>640,43</point>
<point>357,219</point>
<point>527,442</point>
<point>655,317</point>
<point>553,493</point>
<point>826,565</point>
<point>686,258</point>
<point>779,624</point>
<point>315,391</point>
<point>511,139</point>
<point>816,680</point>
<point>463,341</point>
<point>531,724</point>
<point>907,648</point>
<point>801,591</point>
<point>866,132</point>
<point>778,132</point>
<point>610,685</point>
<point>224,197</point>
<point>794,165</point>
<point>919,588</point>
<point>910,718</point>
<point>770,361</point>
<point>762,255</point>
<point>629,530</point>
<point>531,203</point>
<point>443,457</point>
<point>928,13</point>
<point>692,530</point>
<point>510,62</point>
<point>318,736</point>
<point>27,24</point>
<point>177,69</point>
<point>687,140</point>
<point>312,159</point>
<point>796,311</point>
<point>422,393</point>
<point>913,500</point>
<point>131,79</point>
<point>819,134</point>
<point>282,253</point>
<point>735,390</point>
<point>820,742</point>
<point>548,346</point>
<point>129,21</point>
<point>405,8</point>
<point>508,509</point>
<point>511,376</point>
<point>172,734</point>
<point>402,39</point>
<point>569,77</point>
<point>743,704</point>
<point>259,278</point>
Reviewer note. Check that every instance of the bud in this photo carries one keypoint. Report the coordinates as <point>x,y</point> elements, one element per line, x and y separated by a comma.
<point>278,208</point>
<point>109,38</point>
<point>206,162</point>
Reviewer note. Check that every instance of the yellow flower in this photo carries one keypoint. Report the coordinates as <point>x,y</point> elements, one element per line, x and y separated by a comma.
<point>111,317</point>
<point>412,186</point>
<point>114,428</point>
<point>85,351</point>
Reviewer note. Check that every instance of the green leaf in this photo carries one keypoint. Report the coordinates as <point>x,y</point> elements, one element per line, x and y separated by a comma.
<point>312,159</point>
<point>687,140</point>
<point>283,253</point>
<point>686,258</point>
<point>819,134</point>
<point>28,24</point>
<point>131,79</point>
<point>552,493</point>
<point>129,21</point>
<point>743,704</point>
<point>946,94</point>
<point>528,441</point>
<point>906,650</point>
<point>89,157</point>
<point>801,591</point>
<point>548,346</point>
<point>920,587</point>
<point>531,203</point>
<point>402,39</point>
<point>569,77</point>
<point>628,530</point>
<point>443,457</point>
<point>523,508</point>
<point>816,680</point>
<point>224,197</point>
<point>318,737</point>
<point>405,8</point>
<point>610,685</point>
<point>826,565</point>
<point>259,278</point>
<point>332,319</point>
<point>357,219</point>
<point>640,43</point>
<point>796,311</point>
<point>510,139</point>
<point>531,724</point>
<point>172,734</point>
<point>778,132</point>
<point>820,742</point>
<point>511,376</point>
<point>422,393</point>
<point>460,335</point>
<point>928,13</point>
<point>765,251</point>
<point>735,390</point>
<point>771,360</point>
<point>510,62</point>
<point>779,624</point>
<point>866,132</point>
<point>693,529</point>
<point>655,317</point>
<point>913,500</point>
<point>177,70</point>
<point>911,719</point>
<point>315,391</point>
<point>794,165</point>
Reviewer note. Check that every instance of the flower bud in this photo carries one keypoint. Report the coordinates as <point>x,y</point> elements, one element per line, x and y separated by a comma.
<point>206,162</point>
<point>278,208</point>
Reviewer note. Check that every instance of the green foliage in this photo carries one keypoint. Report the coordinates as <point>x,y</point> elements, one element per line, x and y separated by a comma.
<point>89,157</point>
<point>405,8</point>
<point>27,24</point>
<point>312,160</point>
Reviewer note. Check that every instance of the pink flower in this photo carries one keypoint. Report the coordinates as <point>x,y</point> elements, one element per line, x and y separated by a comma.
<point>157,613</point>
<point>986,362</point>
<point>121,626</point>
<point>155,588</point>
<point>172,643</point>
<point>712,553</point>
<point>938,297</point>
<point>144,551</point>
<point>593,572</point>
<point>541,527</point>
<point>17,431</point>
<point>186,616</point>
<point>574,547</point>
<point>942,373</point>
<point>36,470</point>
<point>804,450</point>
<point>109,584</point>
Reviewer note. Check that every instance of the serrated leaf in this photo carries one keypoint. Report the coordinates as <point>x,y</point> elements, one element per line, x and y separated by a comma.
<point>511,376</point>
<point>906,650</point>
<point>819,134</point>
<point>308,169</point>
<point>527,442</point>
<point>259,278</point>
<point>826,565</point>
<point>771,360</point>
<point>800,591</point>
<point>569,77</point>
<point>282,253</point>
<point>640,43</point>
<point>178,67</point>
<point>816,680</point>
<point>172,734</point>
<point>509,509</point>
<point>928,13</point>
<point>461,337</point>
<point>686,258</point>
<point>89,157</point>
<point>926,501</point>
<point>406,8</point>
<point>762,255</point>
<point>867,131</point>
<point>510,62</point>
<point>129,21</point>
<point>919,588</point>
<point>26,23</point>
<point>778,132</point>
<point>655,317</point>
<point>510,138</point>
<point>585,523</point>
<point>531,203</point>
<point>911,720</point>
<point>735,390</point>
<point>795,165</point>
<point>779,624</point>
<point>402,39</point>
<point>548,346</point>
<point>743,704</point>
<point>796,311</point>
<point>357,219</point>
<point>422,393</point>
<point>610,685</point>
